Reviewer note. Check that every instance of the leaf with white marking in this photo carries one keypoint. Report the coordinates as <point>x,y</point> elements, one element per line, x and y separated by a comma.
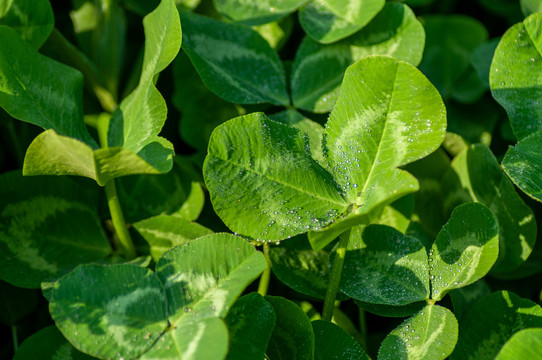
<point>475,175</point>
<point>491,321</point>
<point>32,19</point>
<point>327,21</point>
<point>465,249</point>
<point>110,311</point>
<point>163,232</point>
<point>48,225</point>
<point>318,69</point>
<point>234,61</point>
<point>431,334</point>
<point>259,12</point>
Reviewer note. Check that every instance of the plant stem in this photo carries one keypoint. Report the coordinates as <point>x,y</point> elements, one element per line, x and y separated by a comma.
<point>264,279</point>
<point>363,327</point>
<point>15,338</point>
<point>335,277</point>
<point>125,241</point>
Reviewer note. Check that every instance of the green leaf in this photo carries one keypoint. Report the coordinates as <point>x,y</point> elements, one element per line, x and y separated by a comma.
<point>201,340</point>
<point>529,7</point>
<point>136,123</point>
<point>333,343</point>
<point>463,298</point>
<point>465,249</point>
<point>47,227</point>
<point>38,90</point>
<point>110,311</point>
<point>301,268</point>
<point>292,337</point>
<point>318,69</point>
<point>387,268</point>
<point>257,12</point>
<point>477,176</point>
<point>327,21</point>
<point>164,232</point>
<point>449,43</point>
<point>32,19</point>
<point>234,61</point>
<point>264,182</point>
<point>314,131</point>
<point>491,321</point>
<point>511,78</point>
<point>522,164</point>
<point>430,334</point>
<point>392,310</point>
<point>203,278</point>
<point>481,58</point>
<point>48,343</point>
<point>388,115</point>
<point>250,322</point>
<point>525,344</point>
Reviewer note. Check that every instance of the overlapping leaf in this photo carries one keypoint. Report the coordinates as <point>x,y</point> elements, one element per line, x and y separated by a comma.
<point>32,19</point>
<point>476,175</point>
<point>327,21</point>
<point>257,12</point>
<point>333,343</point>
<point>465,249</point>
<point>489,323</point>
<point>124,310</point>
<point>525,344</point>
<point>47,227</point>
<point>132,145</point>
<point>318,69</point>
<point>234,61</point>
<point>430,334</point>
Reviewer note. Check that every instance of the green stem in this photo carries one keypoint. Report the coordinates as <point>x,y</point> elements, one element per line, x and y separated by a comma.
<point>264,279</point>
<point>335,277</point>
<point>363,328</point>
<point>125,241</point>
<point>15,338</point>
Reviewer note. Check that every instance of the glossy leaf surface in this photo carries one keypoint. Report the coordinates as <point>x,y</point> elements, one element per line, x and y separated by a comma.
<point>491,321</point>
<point>430,334</point>
<point>47,227</point>
<point>516,82</point>
<point>253,152</point>
<point>476,176</point>
<point>389,269</point>
<point>232,61</point>
<point>465,249</point>
<point>525,344</point>
<point>333,343</point>
<point>327,21</point>
<point>318,69</point>
<point>250,322</point>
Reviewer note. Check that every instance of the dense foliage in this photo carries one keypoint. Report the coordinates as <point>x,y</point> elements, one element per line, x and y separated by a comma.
<point>274,179</point>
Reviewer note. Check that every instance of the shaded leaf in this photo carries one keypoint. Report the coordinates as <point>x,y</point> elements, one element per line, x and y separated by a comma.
<point>48,343</point>
<point>233,59</point>
<point>491,321</point>
<point>463,298</point>
<point>477,176</point>
<point>332,342</point>
<point>465,249</point>
<point>525,344</point>
<point>32,19</point>
<point>16,303</point>
<point>430,334</point>
<point>292,337</point>
<point>47,227</point>
<point>389,268</point>
<point>250,322</point>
